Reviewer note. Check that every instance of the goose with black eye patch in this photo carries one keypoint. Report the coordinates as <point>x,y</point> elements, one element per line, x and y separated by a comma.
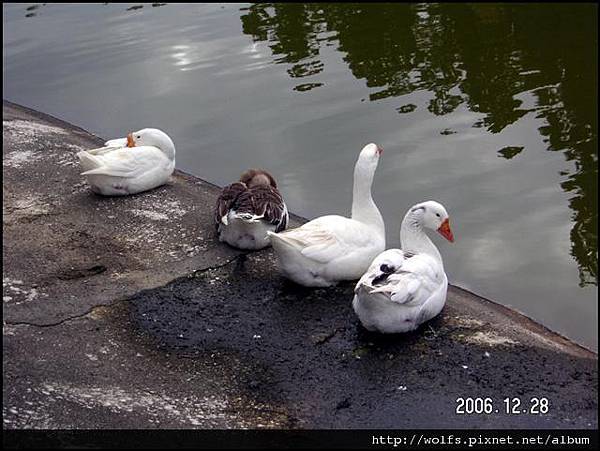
<point>405,287</point>
<point>142,161</point>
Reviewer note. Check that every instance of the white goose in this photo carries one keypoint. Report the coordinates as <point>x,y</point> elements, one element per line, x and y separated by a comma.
<point>333,248</point>
<point>404,288</point>
<point>142,161</point>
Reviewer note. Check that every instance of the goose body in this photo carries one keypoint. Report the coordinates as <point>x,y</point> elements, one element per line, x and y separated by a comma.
<point>333,248</point>
<point>404,288</point>
<point>142,161</point>
<point>250,208</point>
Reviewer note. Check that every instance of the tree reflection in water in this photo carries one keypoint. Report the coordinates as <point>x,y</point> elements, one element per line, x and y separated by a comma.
<point>481,55</point>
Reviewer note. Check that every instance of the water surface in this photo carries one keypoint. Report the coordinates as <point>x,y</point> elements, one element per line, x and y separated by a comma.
<point>489,109</point>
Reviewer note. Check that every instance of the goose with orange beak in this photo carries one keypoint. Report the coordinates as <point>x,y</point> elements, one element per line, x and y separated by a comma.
<point>130,140</point>
<point>142,161</point>
<point>332,248</point>
<point>405,287</point>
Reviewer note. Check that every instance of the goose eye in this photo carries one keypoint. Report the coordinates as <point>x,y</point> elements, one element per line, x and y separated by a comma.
<point>438,215</point>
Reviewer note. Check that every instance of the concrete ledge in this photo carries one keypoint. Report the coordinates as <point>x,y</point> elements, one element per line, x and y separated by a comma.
<point>87,250</point>
<point>127,313</point>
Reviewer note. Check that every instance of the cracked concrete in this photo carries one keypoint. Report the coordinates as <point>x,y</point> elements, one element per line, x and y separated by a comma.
<point>72,260</point>
<point>142,241</point>
<point>113,378</point>
<point>105,305</point>
<point>128,313</point>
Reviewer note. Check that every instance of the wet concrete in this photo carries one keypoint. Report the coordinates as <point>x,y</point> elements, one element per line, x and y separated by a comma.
<point>126,312</point>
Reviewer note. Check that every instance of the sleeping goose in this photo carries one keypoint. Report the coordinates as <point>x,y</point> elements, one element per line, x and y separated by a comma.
<point>404,288</point>
<point>333,248</point>
<point>143,160</point>
<point>246,210</point>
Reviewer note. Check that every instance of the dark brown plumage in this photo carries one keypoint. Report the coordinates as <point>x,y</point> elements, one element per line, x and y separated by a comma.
<point>228,195</point>
<point>255,194</point>
<point>255,177</point>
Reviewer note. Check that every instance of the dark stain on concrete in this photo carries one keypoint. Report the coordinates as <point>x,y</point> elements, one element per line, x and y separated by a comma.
<point>305,349</point>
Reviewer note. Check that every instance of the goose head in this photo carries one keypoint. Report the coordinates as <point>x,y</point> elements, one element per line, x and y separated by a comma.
<point>256,177</point>
<point>433,215</point>
<point>152,137</point>
<point>369,158</point>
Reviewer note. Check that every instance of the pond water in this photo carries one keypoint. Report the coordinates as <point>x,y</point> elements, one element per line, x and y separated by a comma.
<point>490,109</point>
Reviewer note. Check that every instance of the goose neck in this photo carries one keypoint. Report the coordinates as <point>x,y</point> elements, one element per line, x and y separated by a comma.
<point>364,208</point>
<point>169,150</point>
<point>414,239</point>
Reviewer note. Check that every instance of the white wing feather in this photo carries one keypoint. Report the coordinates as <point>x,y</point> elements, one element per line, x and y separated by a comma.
<point>326,238</point>
<point>126,162</point>
<point>117,142</point>
<point>412,281</point>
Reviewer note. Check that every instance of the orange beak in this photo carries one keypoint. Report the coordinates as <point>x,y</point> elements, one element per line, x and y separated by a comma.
<point>379,150</point>
<point>130,141</point>
<point>445,231</point>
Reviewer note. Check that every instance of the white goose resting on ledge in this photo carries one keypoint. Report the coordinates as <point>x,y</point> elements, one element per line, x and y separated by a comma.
<point>246,210</point>
<point>333,248</point>
<point>404,288</point>
<point>140,162</point>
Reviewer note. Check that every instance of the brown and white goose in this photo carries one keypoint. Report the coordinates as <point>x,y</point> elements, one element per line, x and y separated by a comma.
<point>246,210</point>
